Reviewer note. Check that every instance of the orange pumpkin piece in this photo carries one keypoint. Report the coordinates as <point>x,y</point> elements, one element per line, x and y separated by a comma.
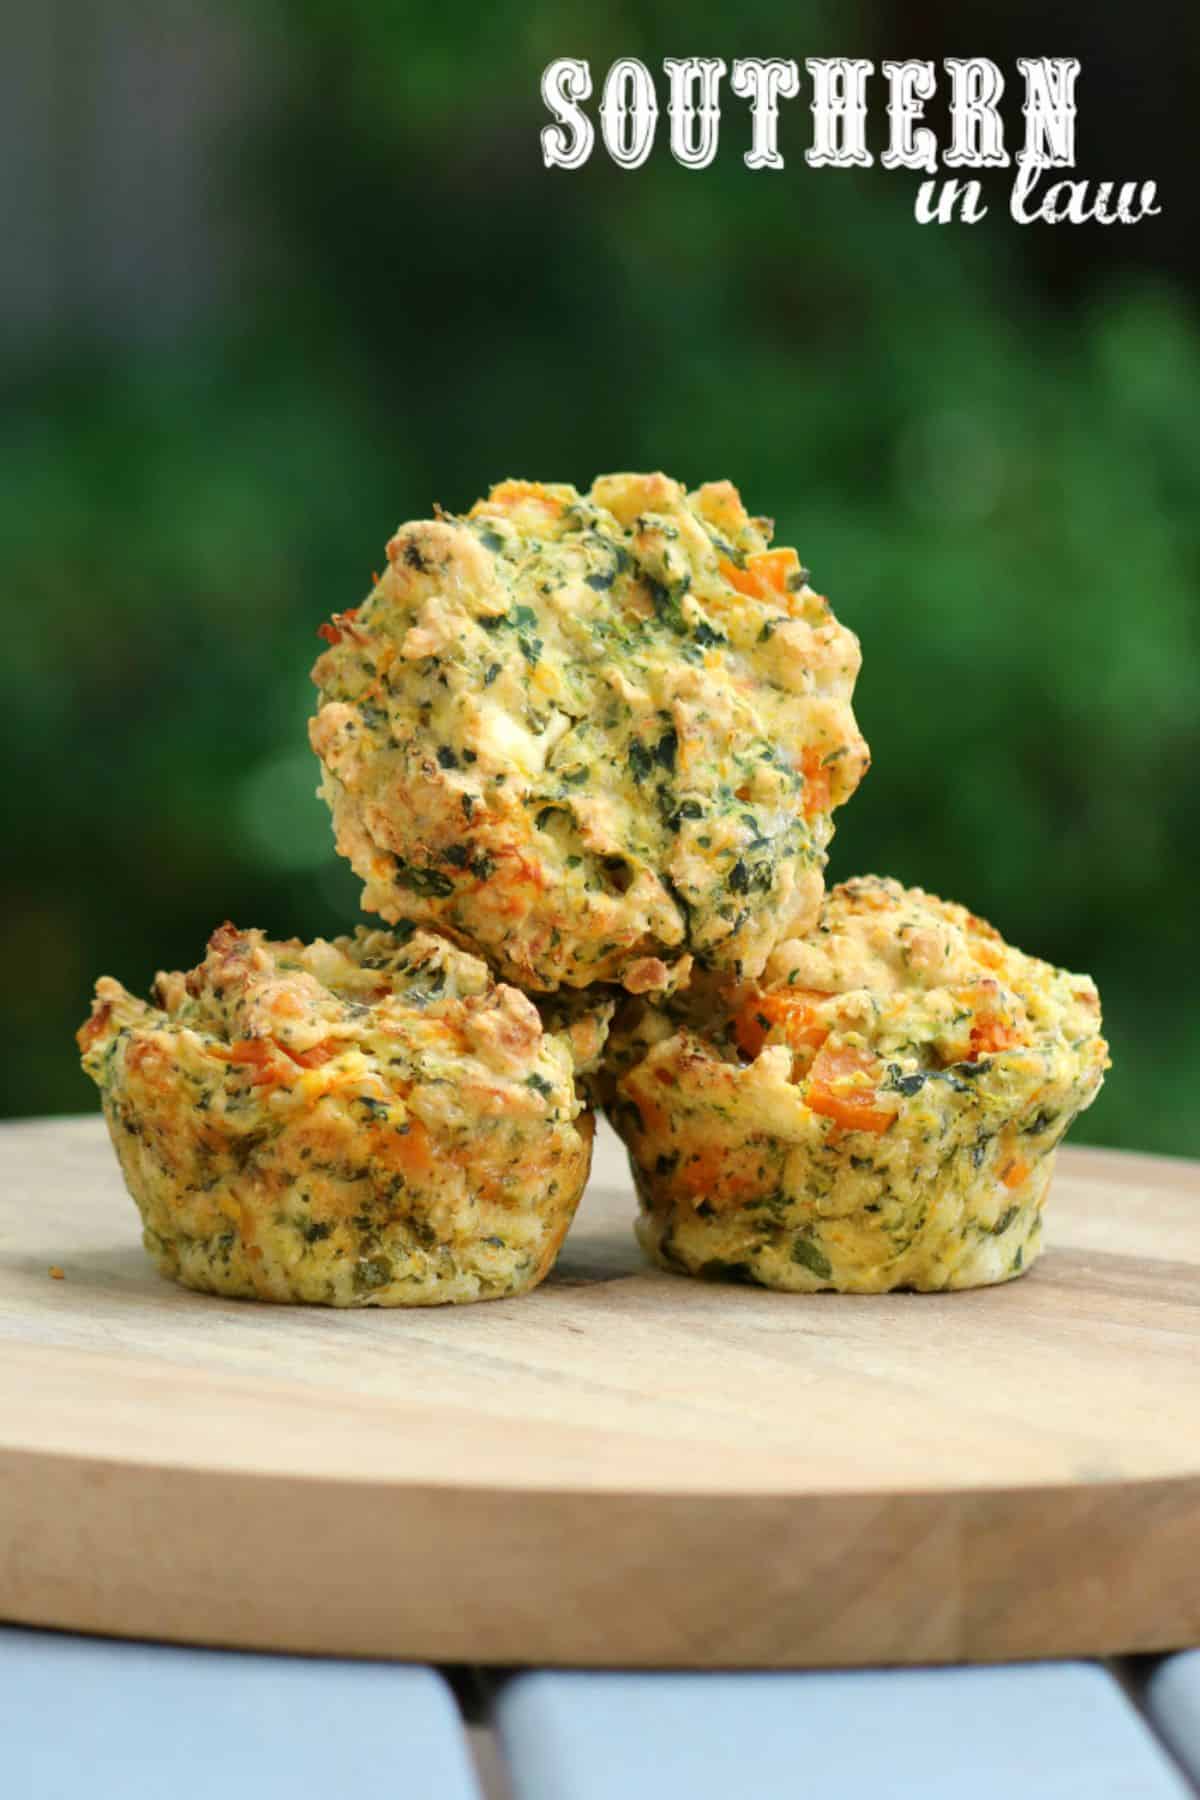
<point>314,1058</point>
<point>715,1172</point>
<point>700,1173</point>
<point>260,1055</point>
<point>407,1151</point>
<point>340,626</point>
<point>772,569</point>
<point>653,1116</point>
<point>765,576</point>
<point>989,1034</point>
<point>509,494</point>
<point>817,793</point>
<point>741,579</point>
<point>793,1008</point>
<point>841,1086</point>
<point>94,1027</point>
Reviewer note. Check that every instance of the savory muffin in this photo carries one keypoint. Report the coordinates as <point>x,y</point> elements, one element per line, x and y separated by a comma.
<point>592,736</point>
<point>370,1121</point>
<point>881,1111</point>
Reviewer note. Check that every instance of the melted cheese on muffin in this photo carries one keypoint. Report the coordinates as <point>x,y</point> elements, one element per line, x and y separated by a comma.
<point>370,1121</point>
<point>880,1111</point>
<point>592,736</point>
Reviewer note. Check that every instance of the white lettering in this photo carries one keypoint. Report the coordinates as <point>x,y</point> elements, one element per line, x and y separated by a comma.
<point>1049,110</point>
<point>910,84</point>
<point>936,202</point>
<point>563,84</point>
<point>1073,203</point>
<point>839,110</point>
<point>976,128</point>
<point>695,150</point>
<point>628,112</point>
<point>764,84</point>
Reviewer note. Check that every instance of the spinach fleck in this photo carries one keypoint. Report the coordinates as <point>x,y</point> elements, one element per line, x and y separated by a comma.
<point>430,883</point>
<point>372,1272</point>
<point>641,760</point>
<point>687,809</point>
<point>810,1255</point>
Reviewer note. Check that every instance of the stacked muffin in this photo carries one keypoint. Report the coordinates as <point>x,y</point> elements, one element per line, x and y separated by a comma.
<point>583,751</point>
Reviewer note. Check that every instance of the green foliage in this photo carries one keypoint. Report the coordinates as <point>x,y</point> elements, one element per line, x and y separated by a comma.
<point>1003,501</point>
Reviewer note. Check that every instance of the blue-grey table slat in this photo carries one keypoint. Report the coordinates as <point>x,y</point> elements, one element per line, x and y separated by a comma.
<point>1048,1731</point>
<point>1172,1699</point>
<point>104,1720</point>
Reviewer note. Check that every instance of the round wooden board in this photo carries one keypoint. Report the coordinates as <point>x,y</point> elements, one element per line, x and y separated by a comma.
<point>626,1467</point>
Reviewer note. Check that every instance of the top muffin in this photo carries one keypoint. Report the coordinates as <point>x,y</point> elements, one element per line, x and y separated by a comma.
<point>593,737</point>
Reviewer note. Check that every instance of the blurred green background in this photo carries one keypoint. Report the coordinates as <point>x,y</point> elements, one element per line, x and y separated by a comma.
<point>277,278</point>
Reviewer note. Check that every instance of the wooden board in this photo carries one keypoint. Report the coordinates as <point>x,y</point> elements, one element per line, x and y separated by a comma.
<point>626,1467</point>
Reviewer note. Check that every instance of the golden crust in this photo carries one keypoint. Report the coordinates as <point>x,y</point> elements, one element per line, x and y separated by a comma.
<point>369,1121</point>
<point>592,736</point>
<point>881,1112</point>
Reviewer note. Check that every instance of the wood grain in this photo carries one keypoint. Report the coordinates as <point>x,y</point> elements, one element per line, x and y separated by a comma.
<point>625,1467</point>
